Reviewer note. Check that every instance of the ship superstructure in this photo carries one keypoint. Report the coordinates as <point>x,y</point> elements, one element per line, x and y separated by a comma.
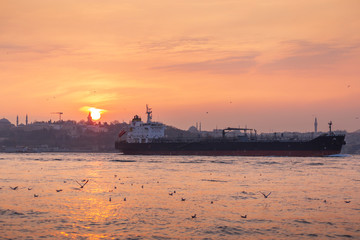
<point>141,132</point>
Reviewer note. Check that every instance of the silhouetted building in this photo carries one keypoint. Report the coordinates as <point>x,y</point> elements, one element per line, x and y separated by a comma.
<point>5,124</point>
<point>90,120</point>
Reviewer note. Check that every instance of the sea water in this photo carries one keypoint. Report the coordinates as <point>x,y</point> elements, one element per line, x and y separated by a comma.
<point>112,196</point>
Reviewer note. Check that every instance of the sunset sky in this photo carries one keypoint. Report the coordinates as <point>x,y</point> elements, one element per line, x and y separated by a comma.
<point>271,65</point>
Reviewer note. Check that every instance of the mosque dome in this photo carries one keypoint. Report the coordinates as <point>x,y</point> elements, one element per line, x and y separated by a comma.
<point>4,121</point>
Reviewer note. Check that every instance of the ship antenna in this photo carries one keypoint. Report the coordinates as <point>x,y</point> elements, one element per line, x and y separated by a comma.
<point>330,123</point>
<point>149,114</point>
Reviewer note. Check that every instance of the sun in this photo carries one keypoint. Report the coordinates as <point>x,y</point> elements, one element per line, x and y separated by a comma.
<point>95,113</point>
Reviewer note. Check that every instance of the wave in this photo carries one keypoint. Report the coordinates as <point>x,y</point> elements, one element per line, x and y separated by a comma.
<point>302,221</point>
<point>223,162</point>
<point>268,162</point>
<point>315,164</point>
<point>121,160</point>
<point>193,161</point>
<point>213,180</point>
<point>340,155</point>
<point>9,212</point>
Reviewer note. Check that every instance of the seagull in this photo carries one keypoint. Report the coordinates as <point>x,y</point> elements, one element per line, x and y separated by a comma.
<point>82,185</point>
<point>58,190</point>
<point>29,188</point>
<point>194,216</point>
<point>170,194</point>
<point>266,195</point>
<point>14,188</point>
<point>35,195</point>
<point>243,216</point>
<point>183,199</point>
<point>347,201</point>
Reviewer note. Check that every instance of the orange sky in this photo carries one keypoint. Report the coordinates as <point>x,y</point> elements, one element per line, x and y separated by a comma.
<point>270,65</point>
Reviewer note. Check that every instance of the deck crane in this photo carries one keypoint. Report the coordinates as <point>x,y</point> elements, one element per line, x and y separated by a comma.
<point>59,113</point>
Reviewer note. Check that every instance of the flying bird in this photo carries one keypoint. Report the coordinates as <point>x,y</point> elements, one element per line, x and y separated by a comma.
<point>243,216</point>
<point>347,201</point>
<point>58,190</point>
<point>266,195</point>
<point>194,216</point>
<point>82,185</point>
<point>14,188</point>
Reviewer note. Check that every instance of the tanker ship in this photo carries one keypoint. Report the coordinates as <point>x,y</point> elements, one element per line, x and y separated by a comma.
<point>148,138</point>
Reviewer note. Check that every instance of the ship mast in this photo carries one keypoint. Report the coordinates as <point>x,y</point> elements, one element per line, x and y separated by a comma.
<point>330,123</point>
<point>149,114</point>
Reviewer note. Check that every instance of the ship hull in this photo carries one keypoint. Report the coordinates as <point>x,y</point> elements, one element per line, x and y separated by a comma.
<point>317,147</point>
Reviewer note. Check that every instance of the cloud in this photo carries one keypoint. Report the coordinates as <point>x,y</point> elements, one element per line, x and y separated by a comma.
<point>24,53</point>
<point>228,65</point>
<point>176,45</point>
<point>306,56</point>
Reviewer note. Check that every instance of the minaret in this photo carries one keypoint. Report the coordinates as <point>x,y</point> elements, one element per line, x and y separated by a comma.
<point>17,120</point>
<point>315,125</point>
<point>26,120</point>
<point>90,121</point>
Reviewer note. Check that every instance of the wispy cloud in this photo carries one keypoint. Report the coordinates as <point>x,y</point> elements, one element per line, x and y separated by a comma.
<point>228,65</point>
<point>176,45</point>
<point>305,56</point>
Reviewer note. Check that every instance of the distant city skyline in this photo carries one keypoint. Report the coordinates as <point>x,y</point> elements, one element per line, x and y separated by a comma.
<point>268,65</point>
